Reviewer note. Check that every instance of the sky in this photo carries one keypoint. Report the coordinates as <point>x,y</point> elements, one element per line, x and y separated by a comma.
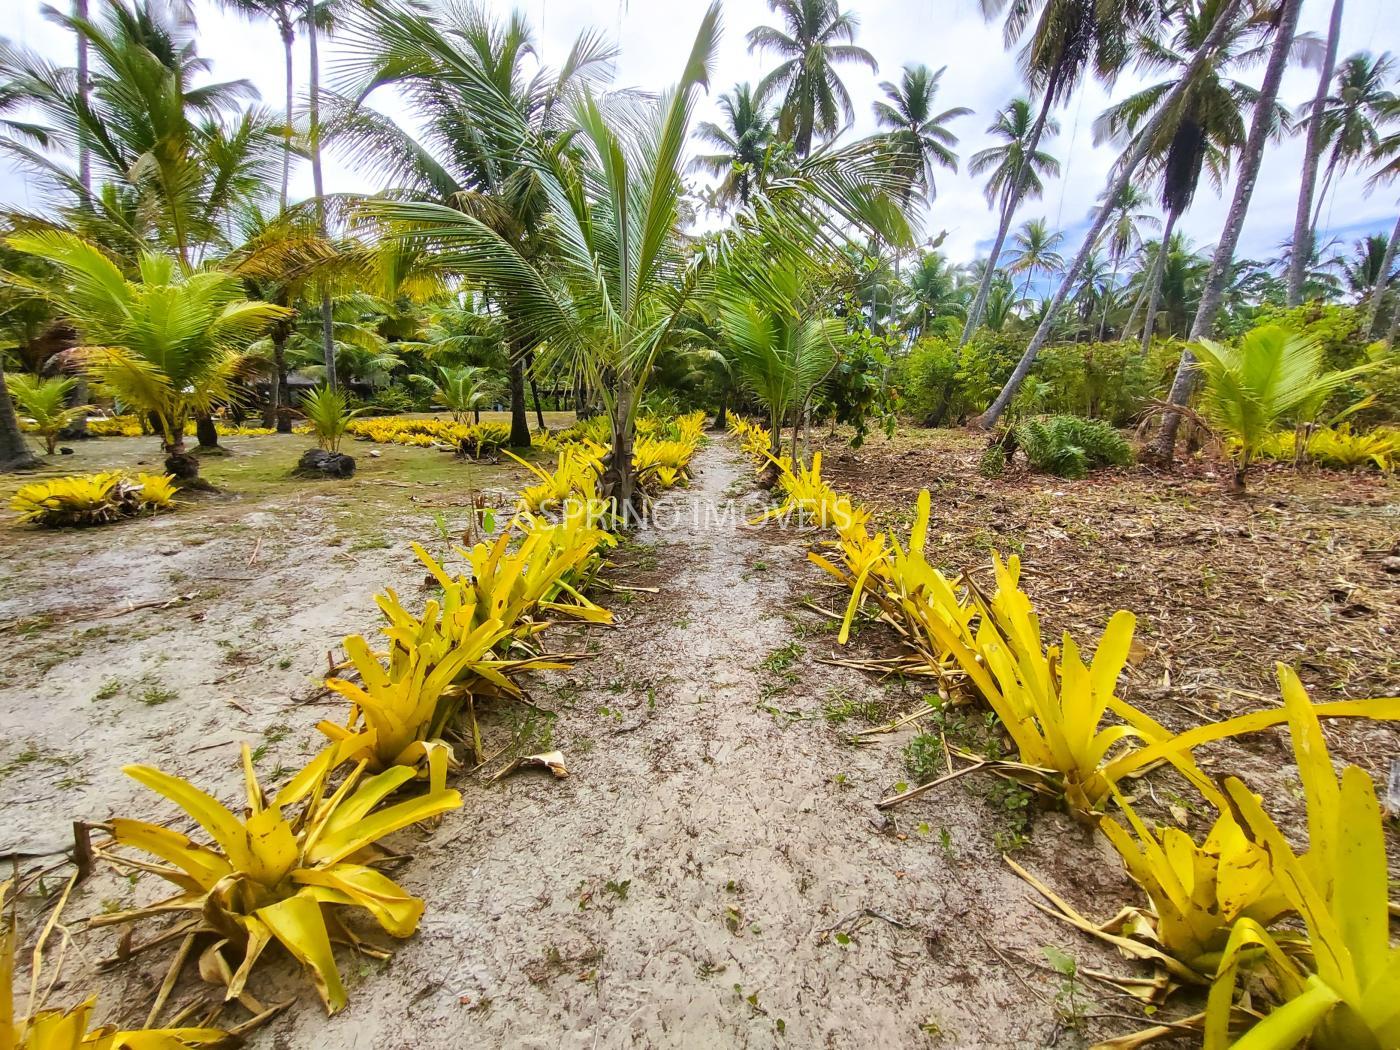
<point>655,36</point>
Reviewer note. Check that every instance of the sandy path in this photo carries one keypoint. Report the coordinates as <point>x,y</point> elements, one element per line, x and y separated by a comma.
<point>737,842</point>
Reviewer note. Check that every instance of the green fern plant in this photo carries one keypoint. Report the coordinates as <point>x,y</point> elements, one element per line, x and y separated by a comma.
<point>1070,446</point>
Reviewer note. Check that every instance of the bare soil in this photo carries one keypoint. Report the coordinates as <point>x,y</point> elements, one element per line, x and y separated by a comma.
<point>713,872</point>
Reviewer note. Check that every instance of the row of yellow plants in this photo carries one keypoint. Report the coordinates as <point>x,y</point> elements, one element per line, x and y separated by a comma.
<point>1338,447</point>
<point>1211,905</point>
<point>284,868</point>
<point>130,426</point>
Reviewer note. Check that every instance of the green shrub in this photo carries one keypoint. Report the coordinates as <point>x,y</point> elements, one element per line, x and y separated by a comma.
<point>1070,446</point>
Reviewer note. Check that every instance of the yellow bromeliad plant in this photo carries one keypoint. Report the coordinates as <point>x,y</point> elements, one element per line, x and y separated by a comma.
<point>93,499</point>
<point>900,579</point>
<point>574,478</point>
<point>661,463</point>
<point>400,713</point>
<point>812,499</point>
<point>1344,991</point>
<point>41,1028</point>
<point>270,876</point>
<point>1197,893</point>
<point>754,440</point>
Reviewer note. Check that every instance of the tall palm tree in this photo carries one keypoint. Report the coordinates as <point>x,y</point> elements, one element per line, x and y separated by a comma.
<point>816,37</point>
<point>1013,125</point>
<point>1312,153</point>
<point>1207,125</point>
<point>919,135</point>
<point>932,291</point>
<point>1033,250</point>
<point>316,17</point>
<point>610,287</point>
<point>169,344</point>
<point>1063,40</point>
<point>467,157</point>
<point>283,16</point>
<point>1127,218</point>
<point>1222,262</point>
<point>1352,117</point>
<point>745,144</point>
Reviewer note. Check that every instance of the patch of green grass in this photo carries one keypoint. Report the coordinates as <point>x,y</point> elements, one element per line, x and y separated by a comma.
<point>840,708</point>
<point>108,689</point>
<point>154,696</point>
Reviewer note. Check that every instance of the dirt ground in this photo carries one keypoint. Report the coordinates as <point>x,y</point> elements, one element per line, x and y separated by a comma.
<point>714,871</point>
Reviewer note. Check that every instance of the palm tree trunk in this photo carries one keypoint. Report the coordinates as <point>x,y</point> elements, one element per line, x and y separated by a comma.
<point>1303,232</point>
<point>279,399</point>
<point>288,39</point>
<point>1112,287</point>
<point>519,421</point>
<point>1164,446</point>
<point>327,329</point>
<point>1012,200</point>
<point>206,431</point>
<point>1124,174</point>
<point>534,390</point>
<point>15,453</point>
<point>80,10</point>
<point>1317,211</point>
<point>1373,308</point>
<point>1394,327</point>
<point>1154,283</point>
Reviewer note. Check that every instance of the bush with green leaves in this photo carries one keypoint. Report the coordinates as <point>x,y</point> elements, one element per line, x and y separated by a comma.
<point>1066,446</point>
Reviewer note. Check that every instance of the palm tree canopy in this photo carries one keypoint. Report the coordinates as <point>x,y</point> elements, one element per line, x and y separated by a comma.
<point>816,37</point>
<point>168,343</point>
<point>919,135</point>
<point>1360,105</point>
<point>1033,248</point>
<point>1210,121</point>
<point>1128,219</point>
<point>175,159</point>
<point>745,143</point>
<point>1013,126</point>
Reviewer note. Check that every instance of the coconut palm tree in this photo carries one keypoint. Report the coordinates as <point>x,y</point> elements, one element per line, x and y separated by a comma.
<point>816,37</point>
<point>44,403</point>
<point>483,115</point>
<point>1354,115</point>
<point>782,349</point>
<point>1271,376</point>
<point>918,134</point>
<point>1127,218</point>
<point>1222,263</point>
<point>178,159</point>
<point>745,143</point>
<point>1312,153</point>
<point>1033,250</point>
<point>168,344</point>
<point>463,389</point>
<point>1205,128</point>
<point>606,282</point>
<point>1005,162</point>
<point>1063,41</point>
<point>1364,270</point>
<point>933,290</point>
<point>1127,167</point>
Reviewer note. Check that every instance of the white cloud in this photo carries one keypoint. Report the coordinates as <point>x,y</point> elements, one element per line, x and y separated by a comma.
<point>655,36</point>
